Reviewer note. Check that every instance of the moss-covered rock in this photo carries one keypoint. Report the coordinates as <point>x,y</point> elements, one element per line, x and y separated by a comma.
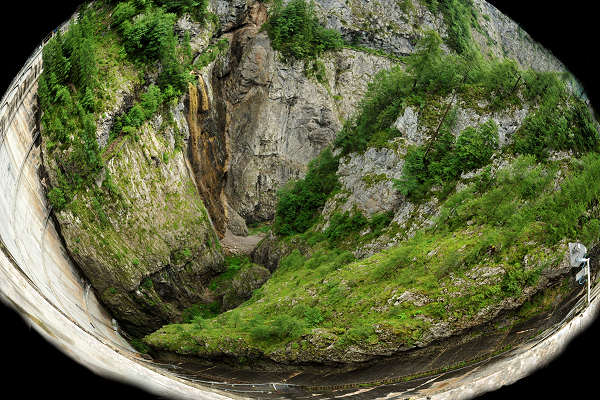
<point>142,235</point>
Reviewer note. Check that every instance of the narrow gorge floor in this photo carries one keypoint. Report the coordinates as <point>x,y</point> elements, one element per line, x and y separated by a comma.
<point>240,245</point>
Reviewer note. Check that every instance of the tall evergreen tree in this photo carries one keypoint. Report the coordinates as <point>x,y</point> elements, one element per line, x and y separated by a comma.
<point>84,67</point>
<point>55,61</point>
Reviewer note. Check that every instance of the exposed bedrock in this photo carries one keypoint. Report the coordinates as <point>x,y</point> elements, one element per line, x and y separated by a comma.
<point>275,118</point>
<point>208,155</point>
<point>150,250</point>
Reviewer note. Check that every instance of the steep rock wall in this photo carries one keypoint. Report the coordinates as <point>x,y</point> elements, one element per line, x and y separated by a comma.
<point>274,117</point>
<point>277,120</point>
<point>396,26</point>
<point>150,249</point>
<point>208,156</point>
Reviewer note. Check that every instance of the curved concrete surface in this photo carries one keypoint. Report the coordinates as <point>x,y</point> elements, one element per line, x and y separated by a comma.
<point>38,279</point>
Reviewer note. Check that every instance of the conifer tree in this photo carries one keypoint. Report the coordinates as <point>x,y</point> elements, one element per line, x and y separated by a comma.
<point>55,61</point>
<point>84,68</point>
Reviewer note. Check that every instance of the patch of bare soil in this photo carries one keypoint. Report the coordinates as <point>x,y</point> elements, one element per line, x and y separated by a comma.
<point>240,245</point>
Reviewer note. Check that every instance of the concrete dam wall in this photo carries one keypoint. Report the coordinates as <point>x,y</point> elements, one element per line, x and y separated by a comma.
<point>39,280</point>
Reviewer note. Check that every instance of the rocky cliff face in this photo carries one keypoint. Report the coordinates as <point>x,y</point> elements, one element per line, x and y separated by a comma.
<point>209,155</point>
<point>396,26</point>
<point>147,242</point>
<point>277,120</point>
<point>274,117</point>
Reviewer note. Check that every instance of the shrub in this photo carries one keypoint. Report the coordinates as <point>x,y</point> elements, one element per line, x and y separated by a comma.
<point>475,146</point>
<point>124,11</point>
<point>429,76</point>
<point>57,199</point>
<point>200,311</point>
<point>560,123</point>
<point>67,95</point>
<point>196,8</point>
<point>283,327</point>
<point>296,32</point>
<point>341,225</point>
<point>313,316</point>
<point>149,36</point>
<point>356,334</point>
<point>147,284</point>
<point>140,112</point>
<point>293,261</point>
<point>299,203</point>
<point>458,16</point>
<point>447,159</point>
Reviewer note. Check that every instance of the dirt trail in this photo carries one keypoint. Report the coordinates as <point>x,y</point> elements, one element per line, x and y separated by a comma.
<point>240,245</point>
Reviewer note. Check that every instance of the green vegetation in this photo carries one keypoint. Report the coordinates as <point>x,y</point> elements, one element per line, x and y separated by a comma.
<point>258,228</point>
<point>459,16</point>
<point>429,78</point>
<point>201,311</point>
<point>521,201</point>
<point>116,55</point>
<point>446,159</point>
<point>511,220</point>
<point>211,53</point>
<point>300,202</point>
<point>521,217</point>
<point>85,66</point>
<point>347,227</point>
<point>148,36</point>
<point>196,8</point>
<point>68,96</point>
<point>234,265</point>
<point>225,290</point>
<point>295,31</point>
<point>371,180</point>
<point>561,122</point>
<point>139,345</point>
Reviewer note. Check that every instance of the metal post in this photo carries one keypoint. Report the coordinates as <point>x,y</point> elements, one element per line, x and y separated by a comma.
<point>588,283</point>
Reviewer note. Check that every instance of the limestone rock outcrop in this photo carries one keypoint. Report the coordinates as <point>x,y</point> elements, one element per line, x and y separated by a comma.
<point>150,247</point>
<point>275,118</point>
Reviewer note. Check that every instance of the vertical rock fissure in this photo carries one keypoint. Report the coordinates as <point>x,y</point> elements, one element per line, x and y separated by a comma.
<point>208,156</point>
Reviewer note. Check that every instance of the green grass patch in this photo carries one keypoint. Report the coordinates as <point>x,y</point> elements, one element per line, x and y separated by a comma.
<point>330,296</point>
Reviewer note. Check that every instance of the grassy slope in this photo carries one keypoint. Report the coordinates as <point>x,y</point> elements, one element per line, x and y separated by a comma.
<point>353,299</point>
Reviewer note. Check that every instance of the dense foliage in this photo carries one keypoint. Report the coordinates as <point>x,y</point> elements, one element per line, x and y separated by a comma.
<point>511,215</point>
<point>71,94</point>
<point>432,81</point>
<point>296,32</point>
<point>430,77</point>
<point>148,36</point>
<point>348,226</point>
<point>447,158</point>
<point>561,121</point>
<point>300,202</point>
<point>520,202</point>
<point>459,16</point>
<point>68,96</point>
